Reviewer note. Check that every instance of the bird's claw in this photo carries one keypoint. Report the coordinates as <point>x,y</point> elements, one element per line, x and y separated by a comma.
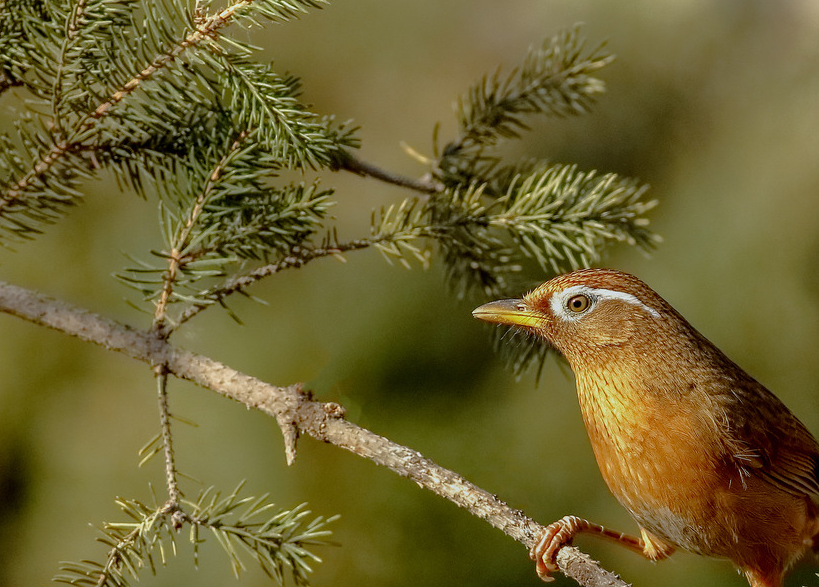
<point>555,536</point>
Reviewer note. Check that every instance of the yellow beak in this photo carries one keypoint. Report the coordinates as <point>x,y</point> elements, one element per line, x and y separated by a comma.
<point>510,312</point>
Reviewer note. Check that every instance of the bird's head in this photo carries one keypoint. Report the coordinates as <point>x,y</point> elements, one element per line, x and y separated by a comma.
<point>585,313</point>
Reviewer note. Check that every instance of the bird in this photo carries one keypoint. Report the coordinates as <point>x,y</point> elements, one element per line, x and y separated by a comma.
<point>703,456</point>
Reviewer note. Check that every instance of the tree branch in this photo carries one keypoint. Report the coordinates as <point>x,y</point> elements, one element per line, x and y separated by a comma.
<point>349,162</point>
<point>296,412</point>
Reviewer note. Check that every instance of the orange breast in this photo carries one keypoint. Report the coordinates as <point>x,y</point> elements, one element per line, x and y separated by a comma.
<point>664,458</point>
<point>660,458</point>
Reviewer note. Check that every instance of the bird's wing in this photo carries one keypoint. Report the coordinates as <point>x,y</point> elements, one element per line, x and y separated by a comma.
<point>795,472</point>
<point>775,445</point>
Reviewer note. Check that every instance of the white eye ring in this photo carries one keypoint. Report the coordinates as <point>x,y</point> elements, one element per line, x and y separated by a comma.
<point>573,303</point>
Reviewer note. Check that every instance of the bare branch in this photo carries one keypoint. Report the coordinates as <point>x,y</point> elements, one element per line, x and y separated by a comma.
<point>349,162</point>
<point>294,409</point>
<point>171,475</point>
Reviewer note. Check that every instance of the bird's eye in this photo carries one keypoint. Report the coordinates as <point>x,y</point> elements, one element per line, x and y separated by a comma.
<point>578,303</point>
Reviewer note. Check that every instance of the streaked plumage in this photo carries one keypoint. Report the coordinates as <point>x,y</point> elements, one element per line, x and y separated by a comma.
<point>703,456</point>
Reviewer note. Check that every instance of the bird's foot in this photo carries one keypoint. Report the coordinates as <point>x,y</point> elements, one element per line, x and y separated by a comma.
<point>556,535</point>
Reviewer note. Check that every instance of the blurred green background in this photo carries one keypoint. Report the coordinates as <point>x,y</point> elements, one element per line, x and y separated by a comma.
<point>715,104</point>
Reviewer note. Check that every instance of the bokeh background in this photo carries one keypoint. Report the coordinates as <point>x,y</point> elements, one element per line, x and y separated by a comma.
<point>715,104</point>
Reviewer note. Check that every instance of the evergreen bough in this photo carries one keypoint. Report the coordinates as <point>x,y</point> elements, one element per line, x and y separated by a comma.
<point>157,93</point>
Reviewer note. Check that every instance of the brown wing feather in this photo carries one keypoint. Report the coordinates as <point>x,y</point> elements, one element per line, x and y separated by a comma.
<point>775,445</point>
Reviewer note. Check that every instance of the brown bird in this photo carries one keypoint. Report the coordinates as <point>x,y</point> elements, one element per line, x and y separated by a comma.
<point>704,457</point>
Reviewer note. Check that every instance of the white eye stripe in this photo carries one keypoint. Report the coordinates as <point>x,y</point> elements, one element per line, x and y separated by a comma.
<point>558,301</point>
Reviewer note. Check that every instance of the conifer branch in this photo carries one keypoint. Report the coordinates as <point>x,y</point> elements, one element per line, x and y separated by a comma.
<point>556,79</point>
<point>40,189</point>
<point>353,164</point>
<point>277,540</point>
<point>179,255</point>
<point>555,214</point>
<point>14,192</point>
<point>207,29</point>
<point>291,406</point>
<point>122,547</point>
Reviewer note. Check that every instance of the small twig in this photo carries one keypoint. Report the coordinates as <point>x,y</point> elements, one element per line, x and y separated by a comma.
<point>167,436</point>
<point>294,408</point>
<point>298,257</point>
<point>351,163</point>
<point>181,240</point>
<point>168,283</point>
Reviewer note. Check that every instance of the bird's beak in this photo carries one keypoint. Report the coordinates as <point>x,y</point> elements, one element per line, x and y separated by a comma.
<point>510,312</point>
